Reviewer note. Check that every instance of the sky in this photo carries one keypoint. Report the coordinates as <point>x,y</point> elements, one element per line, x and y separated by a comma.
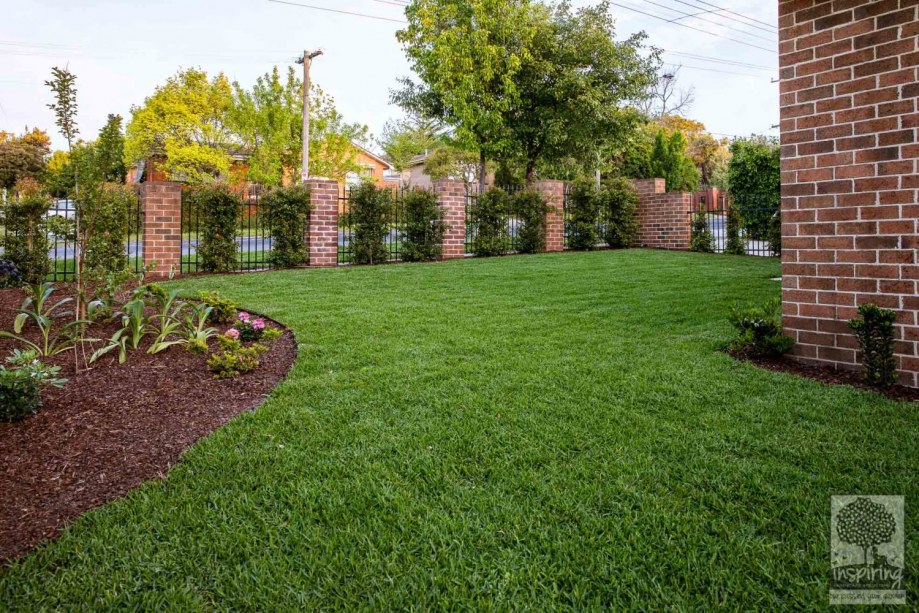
<point>121,50</point>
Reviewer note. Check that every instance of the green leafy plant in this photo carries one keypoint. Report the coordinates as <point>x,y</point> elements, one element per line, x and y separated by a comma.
<point>754,181</point>
<point>775,233</point>
<point>218,206</point>
<point>26,244</point>
<point>272,334</point>
<point>875,334</point>
<point>248,328</point>
<point>734,244</point>
<point>369,214</point>
<point>234,359</point>
<point>424,228</point>
<point>287,210</point>
<point>223,310</point>
<point>21,383</point>
<point>135,325</point>
<point>106,291</point>
<point>530,208</point>
<point>619,198</point>
<point>38,309</point>
<point>488,220</point>
<point>701,239</point>
<point>759,330</point>
<point>167,323</point>
<point>9,275</point>
<point>107,227</point>
<point>195,330</point>
<point>583,212</point>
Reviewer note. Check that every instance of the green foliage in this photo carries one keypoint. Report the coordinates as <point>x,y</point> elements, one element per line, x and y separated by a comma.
<point>734,244</point>
<point>423,228</point>
<point>701,237</point>
<point>9,275</point>
<point>109,151</point>
<point>369,215</point>
<point>21,383</point>
<point>234,359</point>
<point>754,182</point>
<point>287,212</point>
<point>670,161</point>
<point>407,138</point>
<point>63,86</point>
<point>583,212</point>
<point>223,310</point>
<point>775,232</point>
<point>38,309</point>
<point>875,334</point>
<point>26,244</point>
<point>272,334</point>
<point>759,330</point>
<point>60,175</point>
<point>106,220</point>
<point>488,221</point>
<point>135,325</point>
<point>530,209</point>
<point>249,328</point>
<point>619,198</point>
<point>21,158</point>
<point>218,207</point>
<point>450,162</point>
<point>167,323</point>
<point>195,329</point>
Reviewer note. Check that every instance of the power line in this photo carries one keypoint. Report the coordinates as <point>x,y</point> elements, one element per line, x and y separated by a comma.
<point>664,6</point>
<point>743,74</point>
<point>718,60</point>
<point>734,13</point>
<point>677,23</point>
<point>328,10</point>
<point>770,29</point>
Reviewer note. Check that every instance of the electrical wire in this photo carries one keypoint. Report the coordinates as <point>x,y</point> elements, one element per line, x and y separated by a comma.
<point>735,13</point>
<point>352,13</point>
<point>684,13</point>
<point>770,29</point>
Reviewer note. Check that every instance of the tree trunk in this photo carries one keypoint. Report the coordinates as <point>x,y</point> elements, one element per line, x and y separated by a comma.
<point>481,171</point>
<point>530,176</point>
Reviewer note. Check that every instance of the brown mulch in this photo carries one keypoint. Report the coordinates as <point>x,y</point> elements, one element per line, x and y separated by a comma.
<point>826,374</point>
<point>111,428</point>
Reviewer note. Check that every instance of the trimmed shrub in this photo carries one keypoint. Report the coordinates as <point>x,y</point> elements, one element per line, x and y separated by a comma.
<point>530,208</point>
<point>9,275</point>
<point>111,222</point>
<point>734,245</point>
<point>619,198</point>
<point>759,330</point>
<point>218,209</point>
<point>583,211</point>
<point>26,243</point>
<point>875,334</point>
<point>701,239</point>
<point>287,211</point>
<point>223,310</point>
<point>19,395</point>
<point>424,229</point>
<point>488,218</point>
<point>369,215</point>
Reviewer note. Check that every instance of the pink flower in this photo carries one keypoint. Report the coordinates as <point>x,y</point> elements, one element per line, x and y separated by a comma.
<point>243,316</point>
<point>232,333</point>
<point>258,324</point>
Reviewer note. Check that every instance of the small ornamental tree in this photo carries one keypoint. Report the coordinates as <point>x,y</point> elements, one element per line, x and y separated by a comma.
<point>701,239</point>
<point>619,198</point>
<point>530,208</point>
<point>26,243</point>
<point>369,214</point>
<point>488,218</point>
<point>875,334</point>
<point>734,245</point>
<point>287,211</point>
<point>108,225</point>
<point>866,524</point>
<point>583,210</point>
<point>218,208</point>
<point>424,228</point>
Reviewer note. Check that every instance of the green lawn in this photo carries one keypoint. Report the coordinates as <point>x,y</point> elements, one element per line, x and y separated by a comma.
<point>533,432</point>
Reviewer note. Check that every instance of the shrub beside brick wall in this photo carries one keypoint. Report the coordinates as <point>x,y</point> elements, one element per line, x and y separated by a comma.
<point>663,218</point>
<point>849,175</point>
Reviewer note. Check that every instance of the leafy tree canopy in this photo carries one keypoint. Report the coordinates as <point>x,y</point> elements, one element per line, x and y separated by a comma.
<point>404,139</point>
<point>670,161</point>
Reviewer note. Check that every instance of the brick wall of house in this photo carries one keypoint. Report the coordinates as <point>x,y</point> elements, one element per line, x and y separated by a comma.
<point>451,195</point>
<point>554,193</point>
<point>161,204</point>
<point>849,177</point>
<point>323,226</point>
<point>663,218</point>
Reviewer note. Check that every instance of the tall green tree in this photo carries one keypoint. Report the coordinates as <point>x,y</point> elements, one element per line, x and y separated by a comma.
<point>21,158</point>
<point>670,161</point>
<point>404,139</point>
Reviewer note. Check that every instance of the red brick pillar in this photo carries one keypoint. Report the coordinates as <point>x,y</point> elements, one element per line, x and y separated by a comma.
<point>451,195</point>
<point>323,227</point>
<point>664,218</point>
<point>554,193</point>
<point>162,232</point>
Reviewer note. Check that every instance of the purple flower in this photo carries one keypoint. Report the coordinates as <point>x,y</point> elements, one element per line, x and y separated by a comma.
<point>243,316</point>
<point>258,324</point>
<point>232,333</point>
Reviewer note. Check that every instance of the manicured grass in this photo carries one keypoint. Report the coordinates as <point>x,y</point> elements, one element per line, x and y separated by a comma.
<point>535,432</point>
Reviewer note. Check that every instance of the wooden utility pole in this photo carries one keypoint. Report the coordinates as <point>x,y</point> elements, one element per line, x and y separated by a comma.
<point>306,59</point>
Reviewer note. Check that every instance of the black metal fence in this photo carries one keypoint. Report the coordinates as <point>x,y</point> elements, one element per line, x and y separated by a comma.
<point>348,232</point>
<point>60,224</point>
<point>253,233</point>
<point>511,222</point>
<point>758,231</point>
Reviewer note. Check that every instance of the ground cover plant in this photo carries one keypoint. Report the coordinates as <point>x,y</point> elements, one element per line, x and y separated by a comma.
<point>556,431</point>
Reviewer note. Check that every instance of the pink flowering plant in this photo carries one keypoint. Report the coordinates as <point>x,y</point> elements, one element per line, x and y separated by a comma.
<point>249,328</point>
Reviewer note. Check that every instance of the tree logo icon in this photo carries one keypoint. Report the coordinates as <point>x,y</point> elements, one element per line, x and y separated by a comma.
<point>867,550</point>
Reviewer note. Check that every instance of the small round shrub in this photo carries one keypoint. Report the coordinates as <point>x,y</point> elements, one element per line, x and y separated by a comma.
<point>423,230</point>
<point>488,219</point>
<point>217,206</point>
<point>530,208</point>
<point>19,395</point>
<point>369,214</point>
<point>223,310</point>
<point>9,275</point>
<point>287,210</point>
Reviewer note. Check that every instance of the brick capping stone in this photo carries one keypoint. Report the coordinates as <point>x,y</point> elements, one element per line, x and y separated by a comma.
<point>322,238</point>
<point>451,195</point>
<point>850,218</point>
<point>161,204</point>
<point>554,194</point>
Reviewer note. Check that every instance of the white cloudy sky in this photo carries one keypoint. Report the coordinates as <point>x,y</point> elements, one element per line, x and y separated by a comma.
<point>121,49</point>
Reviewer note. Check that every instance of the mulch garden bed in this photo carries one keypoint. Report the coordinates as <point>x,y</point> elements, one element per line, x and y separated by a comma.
<point>111,428</point>
<point>825,374</point>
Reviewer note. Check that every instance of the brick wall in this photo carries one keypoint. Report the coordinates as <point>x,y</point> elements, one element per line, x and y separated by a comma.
<point>323,226</point>
<point>554,193</point>
<point>849,176</point>
<point>663,218</point>
<point>452,198</point>
<point>162,233</point>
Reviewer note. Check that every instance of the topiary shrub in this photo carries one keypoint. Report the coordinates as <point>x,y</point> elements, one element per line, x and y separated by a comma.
<point>424,228</point>
<point>26,244</point>
<point>110,225</point>
<point>488,220</point>
<point>759,330</point>
<point>619,198</point>
<point>734,244</point>
<point>530,208</point>
<point>369,215</point>
<point>9,275</point>
<point>583,211</point>
<point>875,334</point>
<point>287,211</point>
<point>701,239</point>
<point>217,206</point>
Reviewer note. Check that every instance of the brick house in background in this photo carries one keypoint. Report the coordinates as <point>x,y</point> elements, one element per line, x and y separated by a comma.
<point>849,86</point>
